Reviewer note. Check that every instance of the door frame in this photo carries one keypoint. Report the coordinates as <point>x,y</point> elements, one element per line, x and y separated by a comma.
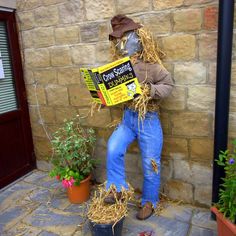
<point>23,111</point>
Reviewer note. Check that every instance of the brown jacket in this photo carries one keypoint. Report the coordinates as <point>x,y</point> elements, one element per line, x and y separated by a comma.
<point>158,77</point>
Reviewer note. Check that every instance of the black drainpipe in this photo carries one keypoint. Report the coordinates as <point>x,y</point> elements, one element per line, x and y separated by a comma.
<point>223,75</point>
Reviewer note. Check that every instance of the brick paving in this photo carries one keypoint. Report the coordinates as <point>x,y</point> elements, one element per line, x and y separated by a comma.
<point>37,205</point>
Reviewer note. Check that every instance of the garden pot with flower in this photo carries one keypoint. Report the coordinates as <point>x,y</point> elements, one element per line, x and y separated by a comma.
<point>225,209</point>
<point>72,159</point>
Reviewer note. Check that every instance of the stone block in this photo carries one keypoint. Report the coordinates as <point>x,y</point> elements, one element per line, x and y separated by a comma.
<point>176,189</point>
<point>104,134</point>
<point>100,174</point>
<point>133,6</point>
<point>71,12</point>
<point>47,114</point>
<point>233,73</point>
<point>65,113</point>
<point>33,111</point>
<point>233,99</point>
<point>234,47</point>
<point>179,47</point>
<point>27,39</point>
<point>135,180</point>
<point>93,32</point>
<point>187,20</point>
<point>232,124</point>
<point>201,98</point>
<point>45,76</point>
<point>207,46</point>
<point>165,4</point>
<point>79,96</point>
<point>201,149</point>
<point>42,147</point>
<point>176,101</point>
<point>210,18</point>
<point>37,130</point>
<point>179,174</point>
<point>37,58</point>
<point>201,174</point>
<point>191,124</point>
<point>46,16</point>
<point>163,25</point>
<point>44,166</point>
<point>43,37</point>
<point>26,20</point>
<point>190,73</point>
<point>194,173</point>
<point>203,194</point>
<point>57,95</point>
<point>102,53</point>
<point>22,5</point>
<point>99,119</point>
<point>96,10</point>
<point>175,147</point>
<point>36,95</point>
<point>166,171</point>
<point>197,2</point>
<point>83,54</point>
<point>165,122</point>
<point>134,147</point>
<point>60,56</point>
<point>28,76</point>
<point>69,75</point>
<point>67,35</point>
<point>51,2</point>
<point>131,163</point>
<point>212,73</point>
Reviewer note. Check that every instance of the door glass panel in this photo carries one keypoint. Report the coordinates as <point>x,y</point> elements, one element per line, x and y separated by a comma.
<point>8,100</point>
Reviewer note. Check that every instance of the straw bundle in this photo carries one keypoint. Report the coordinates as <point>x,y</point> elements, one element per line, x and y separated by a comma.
<point>101,213</point>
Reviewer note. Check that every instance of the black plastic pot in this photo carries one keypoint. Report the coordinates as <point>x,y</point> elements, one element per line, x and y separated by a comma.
<point>106,229</point>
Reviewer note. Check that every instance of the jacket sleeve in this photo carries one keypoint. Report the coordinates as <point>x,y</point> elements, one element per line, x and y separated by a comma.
<point>162,83</point>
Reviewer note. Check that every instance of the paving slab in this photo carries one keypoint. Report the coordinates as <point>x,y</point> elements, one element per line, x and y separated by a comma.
<point>197,231</point>
<point>38,205</point>
<point>53,220</point>
<point>14,194</point>
<point>178,212</point>
<point>22,230</point>
<point>202,218</point>
<point>11,216</point>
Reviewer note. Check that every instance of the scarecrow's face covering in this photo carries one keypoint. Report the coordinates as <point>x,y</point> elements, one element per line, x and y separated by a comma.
<point>129,44</point>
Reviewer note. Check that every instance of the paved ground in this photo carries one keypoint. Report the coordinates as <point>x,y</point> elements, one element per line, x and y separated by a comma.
<point>37,205</point>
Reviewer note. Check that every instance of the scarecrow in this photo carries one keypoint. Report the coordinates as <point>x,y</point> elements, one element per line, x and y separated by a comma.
<point>140,119</point>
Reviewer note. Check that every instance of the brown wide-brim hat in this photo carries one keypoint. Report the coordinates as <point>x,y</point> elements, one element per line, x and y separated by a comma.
<point>121,24</point>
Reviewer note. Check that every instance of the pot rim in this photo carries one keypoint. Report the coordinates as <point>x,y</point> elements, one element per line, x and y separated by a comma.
<point>111,224</point>
<point>221,217</point>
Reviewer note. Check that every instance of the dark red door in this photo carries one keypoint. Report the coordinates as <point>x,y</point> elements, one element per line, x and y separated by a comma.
<point>16,146</point>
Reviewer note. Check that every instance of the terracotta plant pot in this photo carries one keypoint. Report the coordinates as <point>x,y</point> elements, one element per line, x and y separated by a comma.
<point>81,193</point>
<point>224,226</point>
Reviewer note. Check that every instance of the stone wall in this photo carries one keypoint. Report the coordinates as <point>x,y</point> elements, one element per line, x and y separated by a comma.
<point>58,37</point>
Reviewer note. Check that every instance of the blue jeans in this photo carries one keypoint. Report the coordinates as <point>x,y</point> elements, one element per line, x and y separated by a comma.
<point>150,139</point>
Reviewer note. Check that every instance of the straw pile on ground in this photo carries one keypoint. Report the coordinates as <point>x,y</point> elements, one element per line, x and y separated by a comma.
<point>102,213</point>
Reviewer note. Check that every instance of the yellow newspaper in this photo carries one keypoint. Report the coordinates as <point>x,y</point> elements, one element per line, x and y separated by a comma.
<point>112,83</point>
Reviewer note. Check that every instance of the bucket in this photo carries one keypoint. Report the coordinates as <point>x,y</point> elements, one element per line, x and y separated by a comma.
<point>106,229</point>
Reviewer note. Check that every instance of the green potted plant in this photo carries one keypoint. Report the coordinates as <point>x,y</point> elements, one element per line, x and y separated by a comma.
<point>72,159</point>
<point>225,209</point>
